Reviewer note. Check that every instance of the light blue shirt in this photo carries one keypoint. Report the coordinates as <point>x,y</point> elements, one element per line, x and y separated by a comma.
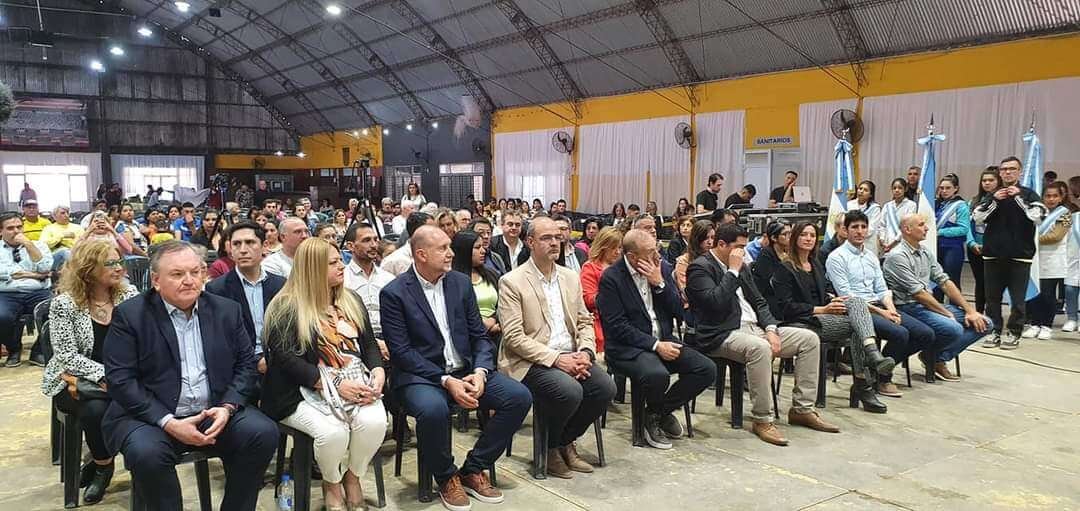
<point>194,382</point>
<point>856,272</point>
<point>8,266</point>
<point>253,291</point>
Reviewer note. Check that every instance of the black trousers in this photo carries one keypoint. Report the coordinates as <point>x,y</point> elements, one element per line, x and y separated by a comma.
<point>976,263</point>
<point>652,374</point>
<point>1043,308</point>
<point>569,405</point>
<point>246,446</point>
<point>90,412</point>
<point>1008,274</point>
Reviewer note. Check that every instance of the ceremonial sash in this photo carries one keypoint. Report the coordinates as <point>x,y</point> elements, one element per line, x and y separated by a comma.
<point>1075,235</point>
<point>1051,219</point>
<point>948,213</point>
<point>892,219</point>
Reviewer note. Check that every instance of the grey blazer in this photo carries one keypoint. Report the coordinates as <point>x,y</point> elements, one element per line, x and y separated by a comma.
<point>73,342</point>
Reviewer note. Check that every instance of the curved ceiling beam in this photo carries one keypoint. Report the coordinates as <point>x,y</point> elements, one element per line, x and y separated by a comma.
<point>534,35</point>
<point>669,42</point>
<point>340,28</point>
<point>850,38</point>
<point>468,78</point>
<point>303,52</point>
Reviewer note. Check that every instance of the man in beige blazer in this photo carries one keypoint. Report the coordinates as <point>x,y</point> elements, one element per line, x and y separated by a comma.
<point>548,344</point>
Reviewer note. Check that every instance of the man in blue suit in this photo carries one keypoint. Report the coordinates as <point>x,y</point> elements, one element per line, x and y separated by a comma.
<point>439,351</point>
<point>249,285</point>
<point>181,370</point>
<point>638,303</point>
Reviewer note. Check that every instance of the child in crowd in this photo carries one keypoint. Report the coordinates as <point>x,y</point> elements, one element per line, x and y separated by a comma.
<point>1052,260</point>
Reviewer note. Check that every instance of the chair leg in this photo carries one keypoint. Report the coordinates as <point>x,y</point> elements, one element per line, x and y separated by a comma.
<point>540,445</point>
<point>721,372</point>
<point>54,437</point>
<point>380,483</point>
<point>71,445</point>
<point>279,467</point>
<point>599,443</point>
<point>689,421</point>
<point>620,389</point>
<point>957,365</point>
<point>776,390</point>
<point>737,383</point>
<point>463,421</point>
<point>907,370</point>
<point>202,479</point>
<point>303,453</point>
<point>821,380</point>
<point>399,440</point>
<point>637,417</point>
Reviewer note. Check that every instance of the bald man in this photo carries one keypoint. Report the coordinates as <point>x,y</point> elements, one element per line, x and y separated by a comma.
<point>908,271</point>
<point>292,231</point>
<point>440,352</point>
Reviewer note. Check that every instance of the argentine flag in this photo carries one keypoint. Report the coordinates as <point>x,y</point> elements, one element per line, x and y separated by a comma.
<point>843,183</point>
<point>1032,178</point>
<point>924,200</point>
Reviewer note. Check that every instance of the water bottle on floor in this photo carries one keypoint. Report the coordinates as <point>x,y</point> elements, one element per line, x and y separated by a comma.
<point>285,493</point>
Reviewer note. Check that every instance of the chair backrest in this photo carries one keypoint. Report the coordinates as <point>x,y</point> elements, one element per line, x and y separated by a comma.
<point>41,313</point>
<point>138,270</point>
<point>45,338</point>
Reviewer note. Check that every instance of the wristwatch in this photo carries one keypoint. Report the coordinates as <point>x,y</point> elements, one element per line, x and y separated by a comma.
<point>230,407</point>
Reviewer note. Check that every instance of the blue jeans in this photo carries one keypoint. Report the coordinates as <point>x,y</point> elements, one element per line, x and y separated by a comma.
<point>951,258</point>
<point>953,337</point>
<point>59,257</point>
<point>1072,301</point>
<point>908,338</point>
<point>12,305</point>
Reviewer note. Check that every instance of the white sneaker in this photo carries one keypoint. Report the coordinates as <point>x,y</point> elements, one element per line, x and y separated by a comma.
<point>1044,333</point>
<point>1030,332</point>
<point>1069,326</point>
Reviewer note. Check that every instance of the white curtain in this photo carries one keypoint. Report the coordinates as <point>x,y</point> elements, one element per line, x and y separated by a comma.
<point>983,125</point>
<point>615,157</point>
<point>527,166</point>
<point>816,144</point>
<point>60,179</point>
<point>136,171</point>
<point>720,148</point>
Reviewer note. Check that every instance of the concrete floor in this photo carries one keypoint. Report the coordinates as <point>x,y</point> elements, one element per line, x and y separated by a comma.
<point>1003,438</point>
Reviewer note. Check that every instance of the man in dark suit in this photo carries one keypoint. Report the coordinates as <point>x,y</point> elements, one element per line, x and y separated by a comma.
<point>734,322</point>
<point>509,245</point>
<point>638,302</point>
<point>440,351</point>
<point>249,285</point>
<point>180,372</point>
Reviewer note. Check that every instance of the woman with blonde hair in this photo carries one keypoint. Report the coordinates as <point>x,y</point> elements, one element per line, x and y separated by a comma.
<point>324,371</point>
<point>606,248</point>
<point>446,221</point>
<point>91,285</point>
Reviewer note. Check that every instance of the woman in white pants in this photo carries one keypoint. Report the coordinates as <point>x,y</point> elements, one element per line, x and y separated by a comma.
<point>324,372</point>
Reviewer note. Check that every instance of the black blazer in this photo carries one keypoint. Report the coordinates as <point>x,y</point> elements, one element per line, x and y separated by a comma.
<point>797,303</point>
<point>414,339</point>
<point>142,361</point>
<point>579,254</point>
<point>763,268</point>
<point>627,329</point>
<point>287,369</point>
<point>710,289</point>
<point>675,248</point>
<point>229,286</point>
<point>499,247</point>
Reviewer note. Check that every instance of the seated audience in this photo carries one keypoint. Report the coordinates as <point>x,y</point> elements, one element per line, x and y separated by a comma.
<point>91,284</point>
<point>208,234</point>
<point>773,254</point>
<point>398,224</point>
<point>468,251</point>
<point>638,304</point>
<point>589,232</point>
<point>249,284</point>
<point>806,299</point>
<point>509,245</point>
<point>463,217</point>
<point>864,201</point>
<point>482,227</point>
<point>838,238</point>
<point>724,216</point>
<point>61,235</point>
<point>25,268</point>
<point>446,221</point>
<point>181,374</point>
<point>101,229</point>
<point>273,237</point>
<point>677,246</point>
<point>734,322</point>
<point>400,261</point>
<point>99,205</point>
<point>618,214</point>
<point>33,223</point>
<point>184,227</point>
<point>324,372</point>
<point>909,269</point>
<point>292,232</point>
<point>548,345</point>
<point>364,276</point>
<point>569,256</point>
<point>606,249</point>
<point>701,241</point>
<point>129,229</point>
<point>439,352</point>
<point>784,193</point>
<point>855,271</point>
<point>224,262</point>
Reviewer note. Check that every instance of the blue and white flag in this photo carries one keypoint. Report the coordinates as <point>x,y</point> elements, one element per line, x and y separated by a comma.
<point>1033,166</point>
<point>843,184</point>
<point>924,199</point>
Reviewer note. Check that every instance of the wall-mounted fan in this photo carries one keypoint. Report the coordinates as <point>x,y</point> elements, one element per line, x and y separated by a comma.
<point>846,119</point>
<point>684,136</point>
<point>563,142</point>
<point>479,147</point>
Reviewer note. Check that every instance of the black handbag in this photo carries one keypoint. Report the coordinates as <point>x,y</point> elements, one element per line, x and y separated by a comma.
<point>89,390</point>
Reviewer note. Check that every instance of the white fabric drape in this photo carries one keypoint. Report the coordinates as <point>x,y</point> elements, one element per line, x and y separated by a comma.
<point>983,125</point>
<point>527,166</point>
<point>74,199</point>
<point>615,157</point>
<point>720,148</point>
<point>168,171</point>
<point>816,146</point>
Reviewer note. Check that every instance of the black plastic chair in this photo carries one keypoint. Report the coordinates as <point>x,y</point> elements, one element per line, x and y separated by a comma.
<point>425,480</point>
<point>138,272</point>
<point>738,386</point>
<point>303,454</point>
<point>200,458</point>
<point>68,445</point>
<point>637,412</point>
<point>540,443</point>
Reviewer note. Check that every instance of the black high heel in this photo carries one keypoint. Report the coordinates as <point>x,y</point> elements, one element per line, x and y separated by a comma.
<point>874,358</point>
<point>863,392</point>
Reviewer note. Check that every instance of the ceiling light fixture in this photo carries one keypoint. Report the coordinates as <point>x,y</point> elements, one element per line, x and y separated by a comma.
<point>301,154</point>
<point>145,32</point>
<point>333,9</point>
<point>435,125</point>
<point>117,51</point>
<point>386,131</point>
<point>355,133</point>
<point>183,6</point>
<point>364,132</point>
<point>408,127</point>
<point>96,65</point>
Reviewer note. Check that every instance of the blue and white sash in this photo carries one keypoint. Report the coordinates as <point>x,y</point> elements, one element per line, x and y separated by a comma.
<point>948,214</point>
<point>1051,219</point>
<point>892,219</point>
<point>1075,234</point>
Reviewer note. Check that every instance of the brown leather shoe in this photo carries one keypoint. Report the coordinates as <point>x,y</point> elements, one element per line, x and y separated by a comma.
<point>768,432</point>
<point>811,420</point>
<point>889,389</point>
<point>942,370</point>
<point>573,460</point>
<point>556,465</point>
<point>479,487</point>
<point>453,495</point>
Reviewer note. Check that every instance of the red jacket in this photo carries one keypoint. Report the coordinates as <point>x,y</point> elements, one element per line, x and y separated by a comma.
<point>590,286</point>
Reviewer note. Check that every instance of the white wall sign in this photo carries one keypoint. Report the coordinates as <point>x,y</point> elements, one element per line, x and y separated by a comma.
<point>778,140</point>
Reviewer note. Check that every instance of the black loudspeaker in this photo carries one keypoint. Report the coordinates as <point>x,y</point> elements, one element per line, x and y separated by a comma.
<point>214,12</point>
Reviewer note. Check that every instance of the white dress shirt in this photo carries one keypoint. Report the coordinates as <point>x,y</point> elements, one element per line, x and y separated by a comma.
<point>749,315</point>
<point>436,298</point>
<point>560,339</point>
<point>645,291</point>
<point>368,287</point>
<point>514,251</point>
<point>398,261</point>
<point>278,263</point>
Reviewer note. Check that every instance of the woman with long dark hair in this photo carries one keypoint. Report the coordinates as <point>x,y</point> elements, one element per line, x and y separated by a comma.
<point>953,228</point>
<point>209,233</point>
<point>677,246</point>
<point>469,255</point>
<point>769,260</point>
<point>1052,259</point>
<point>592,228</point>
<point>888,223</point>
<point>865,201</point>
<point>698,243</point>
<point>684,208</point>
<point>618,214</point>
<point>989,182</point>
